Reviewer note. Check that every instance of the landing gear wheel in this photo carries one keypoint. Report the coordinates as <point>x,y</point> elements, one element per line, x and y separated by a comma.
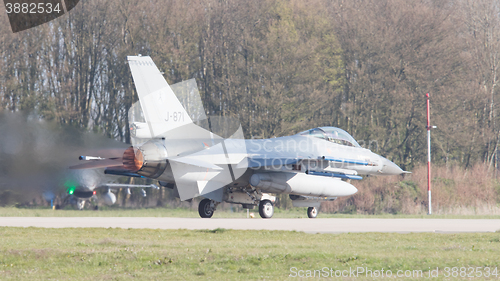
<point>266,209</point>
<point>80,204</point>
<point>312,212</point>
<point>206,209</point>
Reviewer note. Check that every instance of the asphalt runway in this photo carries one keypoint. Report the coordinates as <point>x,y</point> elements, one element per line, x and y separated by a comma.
<point>317,225</point>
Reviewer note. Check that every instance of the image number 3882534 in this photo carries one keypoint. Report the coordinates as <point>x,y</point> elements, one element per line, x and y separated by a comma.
<point>25,14</point>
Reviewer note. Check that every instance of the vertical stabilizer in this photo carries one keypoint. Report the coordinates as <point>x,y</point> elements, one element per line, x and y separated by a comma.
<point>162,110</point>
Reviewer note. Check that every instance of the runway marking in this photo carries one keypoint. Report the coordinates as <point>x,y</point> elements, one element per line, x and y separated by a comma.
<point>318,225</point>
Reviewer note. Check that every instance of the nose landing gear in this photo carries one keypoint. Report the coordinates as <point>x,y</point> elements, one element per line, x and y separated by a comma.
<point>266,209</point>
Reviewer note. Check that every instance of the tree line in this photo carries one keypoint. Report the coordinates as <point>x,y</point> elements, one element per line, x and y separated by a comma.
<point>280,67</point>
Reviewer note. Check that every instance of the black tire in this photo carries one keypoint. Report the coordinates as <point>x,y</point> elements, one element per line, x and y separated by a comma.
<point>312,212</point>
<point>266,209</point>
<point>204,209</point>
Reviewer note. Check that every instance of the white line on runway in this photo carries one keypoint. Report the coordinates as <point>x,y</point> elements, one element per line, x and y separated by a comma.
<point>341,225</point>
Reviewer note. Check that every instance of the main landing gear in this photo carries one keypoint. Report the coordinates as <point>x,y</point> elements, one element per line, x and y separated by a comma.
<point>312,212</point>
<point>207,208</point>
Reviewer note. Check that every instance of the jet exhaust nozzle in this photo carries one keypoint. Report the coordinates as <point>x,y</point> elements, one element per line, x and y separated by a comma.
<point>133,159</point>
<point>147,160</point>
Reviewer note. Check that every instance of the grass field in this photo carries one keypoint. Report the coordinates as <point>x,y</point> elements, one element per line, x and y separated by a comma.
<point>142,254</point>
<point>190,213</point>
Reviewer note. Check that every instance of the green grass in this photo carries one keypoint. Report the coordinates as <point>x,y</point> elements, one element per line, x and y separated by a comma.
<point>221,254</point>
<point>191,213</point>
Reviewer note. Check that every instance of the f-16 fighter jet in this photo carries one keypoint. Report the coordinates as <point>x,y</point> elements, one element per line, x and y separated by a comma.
<point>177,144</point>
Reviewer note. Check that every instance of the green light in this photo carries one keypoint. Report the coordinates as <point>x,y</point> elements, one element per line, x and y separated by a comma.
<point>70,187</point>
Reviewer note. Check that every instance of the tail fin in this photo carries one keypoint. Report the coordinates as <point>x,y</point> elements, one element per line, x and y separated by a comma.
<point>162,110</point>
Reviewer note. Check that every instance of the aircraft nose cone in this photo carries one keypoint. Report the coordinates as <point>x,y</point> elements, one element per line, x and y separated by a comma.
<point>389,168</point>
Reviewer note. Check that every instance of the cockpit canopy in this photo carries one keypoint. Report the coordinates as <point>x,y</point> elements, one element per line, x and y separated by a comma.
<point>332,134</point>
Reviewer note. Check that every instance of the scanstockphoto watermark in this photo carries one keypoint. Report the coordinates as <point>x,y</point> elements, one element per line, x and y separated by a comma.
<point>355,272</point>
<point>302,145</point>
<point>327,272</point>
<point>288,151</point>
<point>292,163</point>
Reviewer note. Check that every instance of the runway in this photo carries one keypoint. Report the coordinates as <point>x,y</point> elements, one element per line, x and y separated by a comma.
<point>341,225</point>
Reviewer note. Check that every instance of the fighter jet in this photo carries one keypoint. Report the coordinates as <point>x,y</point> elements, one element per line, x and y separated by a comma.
<point>81,187</point>
<point>177,144</point>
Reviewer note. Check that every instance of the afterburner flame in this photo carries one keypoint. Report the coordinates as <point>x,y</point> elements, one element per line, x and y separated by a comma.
<point>133,159</point>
